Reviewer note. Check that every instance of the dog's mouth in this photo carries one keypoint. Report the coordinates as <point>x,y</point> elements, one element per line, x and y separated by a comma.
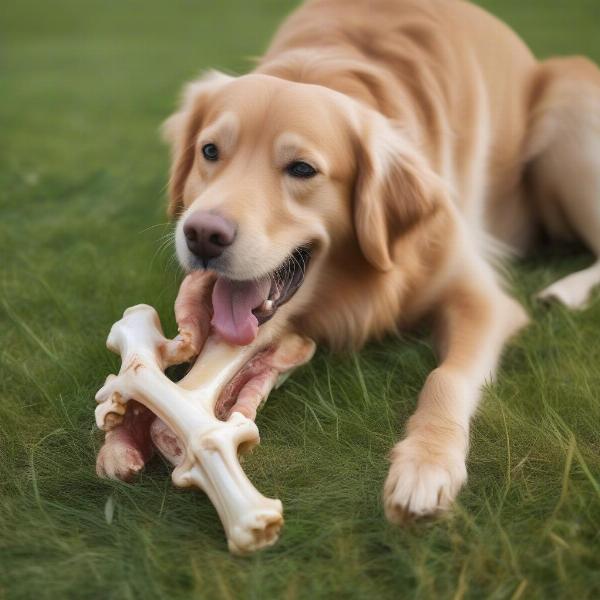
<point>241,306</point>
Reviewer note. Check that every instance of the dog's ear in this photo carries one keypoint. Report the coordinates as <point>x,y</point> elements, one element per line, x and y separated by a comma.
<point>395,190</point>
<point>180,131</point>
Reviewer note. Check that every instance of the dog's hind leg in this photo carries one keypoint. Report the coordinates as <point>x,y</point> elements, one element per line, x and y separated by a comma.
<point>564,165</point>
<point>574,290</point>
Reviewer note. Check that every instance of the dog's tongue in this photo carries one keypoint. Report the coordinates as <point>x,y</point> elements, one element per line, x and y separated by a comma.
<point>233,303</point>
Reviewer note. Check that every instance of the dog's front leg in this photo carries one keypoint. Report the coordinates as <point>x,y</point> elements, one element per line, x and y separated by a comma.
<point>428,466</point>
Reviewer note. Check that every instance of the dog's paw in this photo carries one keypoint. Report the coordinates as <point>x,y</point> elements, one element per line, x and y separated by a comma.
<point>561,294</point>
<point>573,291</point>
<point>119,460</point>
<point>421,482</point>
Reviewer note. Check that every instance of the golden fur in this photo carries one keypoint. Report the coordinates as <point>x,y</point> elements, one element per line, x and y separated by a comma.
<point>439,140</point>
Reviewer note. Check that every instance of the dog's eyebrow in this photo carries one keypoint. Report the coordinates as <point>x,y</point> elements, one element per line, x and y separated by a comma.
<point>223,132</point>
<point>292,146</point>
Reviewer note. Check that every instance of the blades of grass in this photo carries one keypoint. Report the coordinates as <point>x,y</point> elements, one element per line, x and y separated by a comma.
<point>587,471</point>
<point>507,484</point>
<point>36,491</point>
<point>312,412</point>
<point>506,540</point>
<point>520,590</point>
<point>462,586</point>
<point>28,331</point>
<point>66,412</point>
<point>163,499</point>
<point>565,479</point>
<point>22,368</point>
<point>569,434</point>
<point>109,509</point>
<point>35,338</point>
<point>361,379</point>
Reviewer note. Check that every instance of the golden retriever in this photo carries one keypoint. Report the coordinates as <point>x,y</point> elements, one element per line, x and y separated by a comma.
<point>367,174</point>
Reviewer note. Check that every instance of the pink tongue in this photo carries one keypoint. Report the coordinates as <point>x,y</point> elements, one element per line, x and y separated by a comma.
<point>233,303</point>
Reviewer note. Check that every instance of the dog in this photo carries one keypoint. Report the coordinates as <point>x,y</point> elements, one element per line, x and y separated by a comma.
<point>370,172</point>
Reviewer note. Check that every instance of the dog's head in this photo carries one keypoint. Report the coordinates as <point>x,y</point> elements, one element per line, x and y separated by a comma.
<point>272,177</point>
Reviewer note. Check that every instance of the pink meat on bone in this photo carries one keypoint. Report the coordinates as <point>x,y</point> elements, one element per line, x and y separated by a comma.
<point>247,390</point>
<point>129,445</point>
<point>193,309</point>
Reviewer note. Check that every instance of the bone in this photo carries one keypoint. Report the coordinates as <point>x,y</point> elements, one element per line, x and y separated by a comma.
<point>128,446</point>
<point>206,452</point>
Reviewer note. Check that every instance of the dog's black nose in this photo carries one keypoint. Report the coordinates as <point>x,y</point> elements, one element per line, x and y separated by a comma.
<point>208,234</point>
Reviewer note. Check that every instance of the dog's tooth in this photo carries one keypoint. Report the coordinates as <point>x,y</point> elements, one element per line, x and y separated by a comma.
<point>266,306</point>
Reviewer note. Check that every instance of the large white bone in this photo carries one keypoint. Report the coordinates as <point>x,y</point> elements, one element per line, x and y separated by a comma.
<point>210,446</point>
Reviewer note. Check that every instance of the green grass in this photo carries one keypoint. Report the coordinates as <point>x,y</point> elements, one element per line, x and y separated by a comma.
<point>83,88</point>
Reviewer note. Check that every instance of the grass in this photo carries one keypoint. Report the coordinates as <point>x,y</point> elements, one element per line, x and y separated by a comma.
<point>84,87</point>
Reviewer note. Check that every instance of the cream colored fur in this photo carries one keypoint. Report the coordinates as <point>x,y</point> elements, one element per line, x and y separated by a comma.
<point>434,130</point>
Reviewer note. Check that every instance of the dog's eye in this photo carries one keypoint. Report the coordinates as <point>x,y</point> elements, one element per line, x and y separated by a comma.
<point>300,169</point>
<point>210,152</point>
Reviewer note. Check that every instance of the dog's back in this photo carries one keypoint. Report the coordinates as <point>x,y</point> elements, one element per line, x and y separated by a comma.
<point>451,72</point>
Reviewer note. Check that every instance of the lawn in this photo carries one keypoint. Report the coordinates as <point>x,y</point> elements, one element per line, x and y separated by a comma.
<point>83,89</point>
